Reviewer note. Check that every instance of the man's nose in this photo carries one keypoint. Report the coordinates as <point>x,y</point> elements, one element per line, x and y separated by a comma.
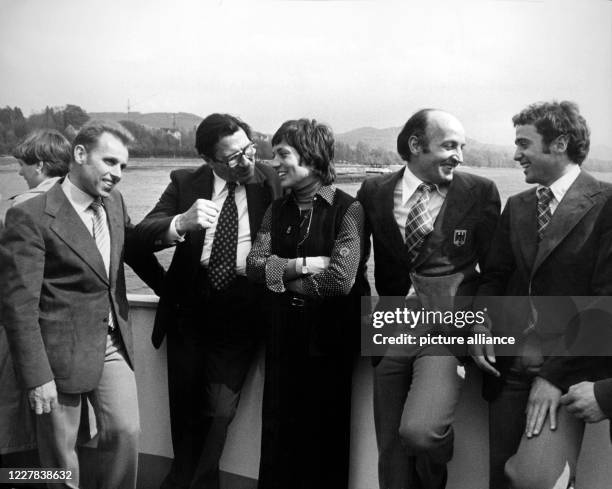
<point>116,172</point>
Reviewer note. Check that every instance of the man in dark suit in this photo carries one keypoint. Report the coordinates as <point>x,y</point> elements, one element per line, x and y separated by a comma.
<point>430,220</point>
<point>553,240</point>
<point>65,309</point>
<point>208,310</point>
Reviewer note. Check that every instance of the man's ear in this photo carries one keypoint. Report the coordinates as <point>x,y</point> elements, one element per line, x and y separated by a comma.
<point>559,145</point>
<point>414,144</point>
<point>79,154</point>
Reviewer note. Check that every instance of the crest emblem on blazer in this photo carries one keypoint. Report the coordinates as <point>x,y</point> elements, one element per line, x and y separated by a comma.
<point>459,237</point>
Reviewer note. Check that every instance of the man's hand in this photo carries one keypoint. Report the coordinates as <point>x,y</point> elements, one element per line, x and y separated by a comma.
<point>543,401</point>
<point>201,215</point>
<point>483,355</point>
<point>580,401</point>
<point>43,398</point>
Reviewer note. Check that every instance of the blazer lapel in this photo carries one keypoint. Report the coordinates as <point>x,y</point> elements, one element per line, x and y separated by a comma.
<point>524,227</point>
<point>457,204</point>
<point>69,227</point>
<point>388,224</point>
<point>116,226</point>
<point>257,201</point>
<point>572,208</point>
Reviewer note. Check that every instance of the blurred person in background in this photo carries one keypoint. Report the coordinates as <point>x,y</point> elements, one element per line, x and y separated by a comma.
<point>44,157</point>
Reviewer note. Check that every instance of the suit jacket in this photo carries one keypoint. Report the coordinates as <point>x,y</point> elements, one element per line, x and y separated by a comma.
<point>55,292</point>
<point>460,238</point>
<point>185,188</point>
<point>574,258</point>
<point>459,241</point>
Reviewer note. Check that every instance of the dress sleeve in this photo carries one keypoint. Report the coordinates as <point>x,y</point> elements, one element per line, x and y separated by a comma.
<point>339,277</point>
<point>262,266</point>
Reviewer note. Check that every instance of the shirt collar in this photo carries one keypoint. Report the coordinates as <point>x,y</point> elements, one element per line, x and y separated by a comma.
<point>219,184</point>
<point>560,186</point>
<point>80,200</point>
<point>410,183</point>
<point>326,192</point>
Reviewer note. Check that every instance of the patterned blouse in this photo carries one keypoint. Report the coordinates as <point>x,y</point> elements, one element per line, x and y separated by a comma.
<point>337,279</point>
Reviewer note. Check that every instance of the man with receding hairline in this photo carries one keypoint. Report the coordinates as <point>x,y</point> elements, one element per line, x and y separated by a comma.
<point>430,222</point>
<point>65,309</point>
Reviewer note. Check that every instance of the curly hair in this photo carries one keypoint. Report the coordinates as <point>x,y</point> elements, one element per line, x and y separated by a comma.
<point>554,119</point>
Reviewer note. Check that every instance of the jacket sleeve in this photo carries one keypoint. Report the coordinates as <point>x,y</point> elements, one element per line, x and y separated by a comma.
<point>22,265</point>
<point>151,231</point>
<point>140,259</point>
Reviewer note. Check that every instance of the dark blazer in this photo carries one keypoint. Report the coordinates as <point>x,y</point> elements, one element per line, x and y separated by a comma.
<point>574,258</point>
<point>471,208</point>
<point>471,205</point>
<point>56,294</point>
<point>185,188</point>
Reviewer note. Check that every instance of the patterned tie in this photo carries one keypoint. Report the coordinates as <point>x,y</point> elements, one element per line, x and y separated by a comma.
<point>102,237</point>
<point>545,196</point>
<point>222,263</point>
<point>419,222</point>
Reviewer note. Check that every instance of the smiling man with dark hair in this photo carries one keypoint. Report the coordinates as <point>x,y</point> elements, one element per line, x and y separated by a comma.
<point>554,239</point>
<point>208,310</point>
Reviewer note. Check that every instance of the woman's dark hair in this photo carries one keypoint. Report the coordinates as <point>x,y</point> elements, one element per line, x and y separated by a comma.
<point>50,148</point>
<point>314,142</point>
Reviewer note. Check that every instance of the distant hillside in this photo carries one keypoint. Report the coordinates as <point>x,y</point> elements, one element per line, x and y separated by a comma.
<point>476,153</point>
<point>157,120</point>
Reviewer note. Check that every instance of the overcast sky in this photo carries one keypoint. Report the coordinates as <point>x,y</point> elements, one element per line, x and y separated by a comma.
<point>350,63</point>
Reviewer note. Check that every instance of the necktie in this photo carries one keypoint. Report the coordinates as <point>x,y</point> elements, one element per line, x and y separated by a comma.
<point>222,264</point>
<point>545,196</point>
<point>419,222</point>
<point>102,238</point>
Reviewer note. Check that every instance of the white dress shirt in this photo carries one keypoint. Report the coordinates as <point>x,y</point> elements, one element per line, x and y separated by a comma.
<point>561,186</point>
<point>406,195</point>
<point>244,228</point>
<point>80,201</point>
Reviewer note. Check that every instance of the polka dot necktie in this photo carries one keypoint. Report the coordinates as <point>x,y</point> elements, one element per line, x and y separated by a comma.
<point>419,222</point>
<point>545,197</point>
<point>102,238</point>
<point>222,263</point>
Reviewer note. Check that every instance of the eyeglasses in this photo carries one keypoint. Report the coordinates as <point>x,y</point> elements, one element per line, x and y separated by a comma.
<point>234,159</point>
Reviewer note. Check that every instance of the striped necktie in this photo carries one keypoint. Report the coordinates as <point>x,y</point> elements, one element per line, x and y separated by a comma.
<point>419,222</point>
<point>222,263</point>
<point>545,197</point>
<point>102,238</point>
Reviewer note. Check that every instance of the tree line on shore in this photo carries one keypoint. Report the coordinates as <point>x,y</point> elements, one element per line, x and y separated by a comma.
<point>179,142</point>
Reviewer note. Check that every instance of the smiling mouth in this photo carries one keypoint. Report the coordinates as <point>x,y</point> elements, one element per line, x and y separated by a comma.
<point>281,174</point>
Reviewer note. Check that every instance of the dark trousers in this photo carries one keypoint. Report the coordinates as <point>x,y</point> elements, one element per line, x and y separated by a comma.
<point>307,404</point>
<point>209,354</point>
<point>414,405</point>
<point>541,462</point>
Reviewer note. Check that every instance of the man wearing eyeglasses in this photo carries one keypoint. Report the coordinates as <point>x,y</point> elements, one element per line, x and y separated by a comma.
<point>208,310</point>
